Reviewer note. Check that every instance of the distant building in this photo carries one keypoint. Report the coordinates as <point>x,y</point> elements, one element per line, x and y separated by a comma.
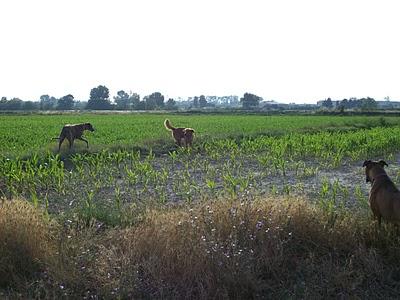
<point>274,105</point>
<point>388,104</point>
<point>385,104</point>
<point>223,101</point>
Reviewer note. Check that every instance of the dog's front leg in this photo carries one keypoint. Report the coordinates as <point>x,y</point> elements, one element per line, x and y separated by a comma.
<point>82,139</point>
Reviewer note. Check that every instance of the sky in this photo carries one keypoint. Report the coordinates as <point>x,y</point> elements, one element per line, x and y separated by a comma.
<point>287,50</point>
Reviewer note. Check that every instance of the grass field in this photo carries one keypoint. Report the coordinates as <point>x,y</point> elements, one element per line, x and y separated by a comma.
<point>23,135</point>
<point>261,207</point>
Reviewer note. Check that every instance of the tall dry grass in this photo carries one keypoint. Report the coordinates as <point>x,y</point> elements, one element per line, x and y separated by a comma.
<point>27,242</point>
<point>229,249</point>
<point>236,250</point>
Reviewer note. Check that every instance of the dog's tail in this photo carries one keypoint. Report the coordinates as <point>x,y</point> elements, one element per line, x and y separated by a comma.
<point>168,125</point>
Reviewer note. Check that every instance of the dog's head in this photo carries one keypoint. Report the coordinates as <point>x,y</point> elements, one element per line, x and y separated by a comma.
<point>89,127</point>
<point>188,132</point>
<point>373,168</point>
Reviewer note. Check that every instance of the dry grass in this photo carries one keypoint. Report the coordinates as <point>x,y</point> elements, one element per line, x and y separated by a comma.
<point>27,243</point>
<point>233,249</point>
<point>267,248</point>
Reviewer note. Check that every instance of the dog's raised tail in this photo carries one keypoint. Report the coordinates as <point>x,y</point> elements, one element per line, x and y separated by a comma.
<point>168,125</point>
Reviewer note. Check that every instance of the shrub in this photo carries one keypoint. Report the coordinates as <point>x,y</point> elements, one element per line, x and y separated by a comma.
<point>26,241</point>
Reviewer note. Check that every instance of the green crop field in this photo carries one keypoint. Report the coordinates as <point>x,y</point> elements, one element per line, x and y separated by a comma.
<point>28,134</point>
<point>134,216</point>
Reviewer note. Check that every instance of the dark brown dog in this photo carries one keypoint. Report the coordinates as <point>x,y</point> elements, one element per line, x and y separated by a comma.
<point>72,132</point>
<point>180,133</point>
<point>384,197</point>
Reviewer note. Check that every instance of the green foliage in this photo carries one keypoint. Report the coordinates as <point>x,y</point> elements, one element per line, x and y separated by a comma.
<point>125,101</point>
<point>140,130</point>
<point>154,101</point>
<point>171,104</point>
<point>202,101</point>
<point>99,98</point>
<point>66,102</point>
<point>250,100</point>
<point>47,102</point>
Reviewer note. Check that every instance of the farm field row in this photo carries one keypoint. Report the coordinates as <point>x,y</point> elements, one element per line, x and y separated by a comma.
<point>25,135</point>
<point>323,166</point>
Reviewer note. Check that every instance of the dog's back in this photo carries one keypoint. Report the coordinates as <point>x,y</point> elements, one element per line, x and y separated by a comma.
<point>75,130</point>
<point>384,196</point>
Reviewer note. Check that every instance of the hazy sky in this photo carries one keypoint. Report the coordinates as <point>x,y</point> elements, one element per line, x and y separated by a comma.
<point>291,51</point>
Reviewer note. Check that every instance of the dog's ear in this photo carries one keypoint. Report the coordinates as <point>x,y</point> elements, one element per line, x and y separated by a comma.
<point>366,163</point>
<point>90,126</point>
<point>382,163</point>
<point>188,130</point>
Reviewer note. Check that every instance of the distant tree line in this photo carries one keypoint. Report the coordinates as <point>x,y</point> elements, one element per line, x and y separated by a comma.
<point>351,103</point>
<point>100,100</point>
<point>200,102</point>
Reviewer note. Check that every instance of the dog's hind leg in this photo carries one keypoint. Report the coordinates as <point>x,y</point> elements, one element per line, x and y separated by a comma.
<point>82,139</point>
<point>71,142</point>
<point>60,142</point>
<point>178,142</point>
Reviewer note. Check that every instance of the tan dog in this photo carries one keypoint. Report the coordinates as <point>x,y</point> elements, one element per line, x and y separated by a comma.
<point>72,132</point>
<point>180,133</point>
<point>384,197</point>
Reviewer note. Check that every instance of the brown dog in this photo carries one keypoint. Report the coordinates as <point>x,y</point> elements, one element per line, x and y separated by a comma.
<point>180,134</point>
<point>384,197</point>
<point>72,132</point>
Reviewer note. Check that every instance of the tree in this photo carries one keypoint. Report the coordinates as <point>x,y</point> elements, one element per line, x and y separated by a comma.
<point>327,103</point>
<point>122,100</point>
<point>250,100</point>
<point>125,101</point>
<point>66,102</point>
<point>342,105</point>
<point>352,102</point>
<point>149,102</point>
<point>80,105</point>
<point>13,104</point>
<point>3,103</point>
<point>153,101</point>
<point>30,105</point>
<point>202,101</point>
<point>368,103</point>
<point>141,105</point>
<point>171,104</point>
<point>196,102</point>
<point>47,102</point>
<point>159,99</point>
<point>99,98</point>
<point>135,100</point>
